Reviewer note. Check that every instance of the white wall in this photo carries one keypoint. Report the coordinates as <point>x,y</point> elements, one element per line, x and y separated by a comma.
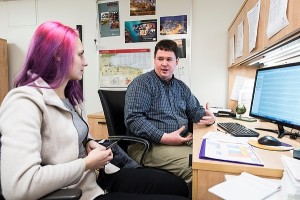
<point>210,22</point>
<point>69,12</point>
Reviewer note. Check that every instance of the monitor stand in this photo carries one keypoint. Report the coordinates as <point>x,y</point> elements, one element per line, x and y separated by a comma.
<point>281,131</point>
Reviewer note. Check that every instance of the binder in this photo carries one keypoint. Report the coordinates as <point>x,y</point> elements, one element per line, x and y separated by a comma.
<point>229,152</point>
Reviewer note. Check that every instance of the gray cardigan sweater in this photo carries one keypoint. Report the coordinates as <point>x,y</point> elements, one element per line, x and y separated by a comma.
<point>39,152</point>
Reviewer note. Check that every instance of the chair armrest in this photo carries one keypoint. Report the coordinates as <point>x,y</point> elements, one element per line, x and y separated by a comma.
<point>64,194</point>
<point>136,140</point>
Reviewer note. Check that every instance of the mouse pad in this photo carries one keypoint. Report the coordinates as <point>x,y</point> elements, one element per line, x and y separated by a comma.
<point>283,147</point>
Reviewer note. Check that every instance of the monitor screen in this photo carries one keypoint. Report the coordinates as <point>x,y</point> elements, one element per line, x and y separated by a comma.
<point>276,96</point>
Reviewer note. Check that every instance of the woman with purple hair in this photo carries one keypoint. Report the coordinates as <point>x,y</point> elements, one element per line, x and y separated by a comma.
<point>45,143</point>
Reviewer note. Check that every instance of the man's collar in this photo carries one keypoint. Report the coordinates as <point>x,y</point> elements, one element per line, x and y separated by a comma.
<point>164,81</point>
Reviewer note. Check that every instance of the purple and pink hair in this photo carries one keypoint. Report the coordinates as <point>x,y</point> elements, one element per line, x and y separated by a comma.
<point>50,57</point>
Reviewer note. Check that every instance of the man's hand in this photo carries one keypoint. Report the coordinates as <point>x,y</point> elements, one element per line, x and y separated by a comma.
<point>209,119</point>
<point>175,138</point>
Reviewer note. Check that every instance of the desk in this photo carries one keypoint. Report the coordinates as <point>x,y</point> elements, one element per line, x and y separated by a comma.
<point>97,125</point>
<point>207,173</point>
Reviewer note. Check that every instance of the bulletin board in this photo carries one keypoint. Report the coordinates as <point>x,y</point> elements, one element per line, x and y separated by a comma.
<point>114,44</point>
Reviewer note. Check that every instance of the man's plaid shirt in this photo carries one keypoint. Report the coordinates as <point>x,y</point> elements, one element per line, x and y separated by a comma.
<point>153,107</point>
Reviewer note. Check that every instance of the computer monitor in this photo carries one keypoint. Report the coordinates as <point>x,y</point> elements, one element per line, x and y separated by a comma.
<point>276,96</point>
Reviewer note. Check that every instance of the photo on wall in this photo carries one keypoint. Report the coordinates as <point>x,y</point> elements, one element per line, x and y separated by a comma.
<point>141,31</point>
<point>142,7</point>
<point>109,19</point>
<point>173,25</point>
<point>181,44</point>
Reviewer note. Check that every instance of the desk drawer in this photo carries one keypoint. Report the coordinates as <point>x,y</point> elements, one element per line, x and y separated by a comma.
<point>98,127</point>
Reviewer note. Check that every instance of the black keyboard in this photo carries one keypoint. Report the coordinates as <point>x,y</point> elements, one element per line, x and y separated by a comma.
<point>238,130</point>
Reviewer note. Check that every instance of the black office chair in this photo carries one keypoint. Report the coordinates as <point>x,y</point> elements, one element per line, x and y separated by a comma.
<point>61,194</point>
<point>113,103</point>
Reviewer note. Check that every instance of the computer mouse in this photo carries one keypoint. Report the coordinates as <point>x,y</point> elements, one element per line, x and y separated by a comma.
<point>269,141</point>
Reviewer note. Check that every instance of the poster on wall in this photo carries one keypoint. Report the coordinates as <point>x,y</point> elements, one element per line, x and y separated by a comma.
<point>142,7</point>
<point>141,31</point>
<point>181,44</point>
<point>118,67</point>
<point>109,19</point>
<point>173,25</point>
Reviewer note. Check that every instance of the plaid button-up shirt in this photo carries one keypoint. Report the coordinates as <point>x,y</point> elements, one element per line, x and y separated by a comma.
<point>154,107</point>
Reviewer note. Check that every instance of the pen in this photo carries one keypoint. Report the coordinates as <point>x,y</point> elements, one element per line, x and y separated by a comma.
<point>221,131</point>
<point>112,145</point>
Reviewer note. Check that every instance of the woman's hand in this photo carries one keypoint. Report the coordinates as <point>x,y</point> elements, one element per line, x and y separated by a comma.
<point>98,156</point>
<point>92,144</point>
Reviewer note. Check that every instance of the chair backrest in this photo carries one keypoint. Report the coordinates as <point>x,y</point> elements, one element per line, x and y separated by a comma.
<point>113,103</point>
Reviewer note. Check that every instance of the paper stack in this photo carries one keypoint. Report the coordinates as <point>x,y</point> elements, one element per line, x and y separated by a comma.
<point>291,177</point>
<point>246,187</point>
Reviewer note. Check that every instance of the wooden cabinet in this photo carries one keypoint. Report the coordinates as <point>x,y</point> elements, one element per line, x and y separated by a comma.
<point>242,18</point>
<point>4,86</point>
<point>263,43</point>
<point>97,125</point>
<point>293,16</point>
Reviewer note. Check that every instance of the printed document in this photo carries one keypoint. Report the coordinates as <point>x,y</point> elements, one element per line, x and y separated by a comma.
<point>246,187</point>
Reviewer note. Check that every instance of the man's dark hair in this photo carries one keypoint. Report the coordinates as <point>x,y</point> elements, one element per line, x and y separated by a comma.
<point>166,45</point>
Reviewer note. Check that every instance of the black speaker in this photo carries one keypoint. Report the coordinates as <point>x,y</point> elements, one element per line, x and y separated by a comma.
<point>79,28</point>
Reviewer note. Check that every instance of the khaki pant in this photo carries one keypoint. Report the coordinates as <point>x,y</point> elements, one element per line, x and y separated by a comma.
<point>174,159</point>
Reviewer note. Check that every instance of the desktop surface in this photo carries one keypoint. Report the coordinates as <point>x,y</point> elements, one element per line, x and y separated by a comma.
<point>207,173</point>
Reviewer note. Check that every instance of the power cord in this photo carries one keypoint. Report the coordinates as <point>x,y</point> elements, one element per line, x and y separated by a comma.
<point>294,135</point>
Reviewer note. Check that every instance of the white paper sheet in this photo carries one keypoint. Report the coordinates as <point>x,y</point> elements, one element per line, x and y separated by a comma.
<point>245,186</point>
<point>231,50</point>
<point>293,165</point>
<point>277,17</point>
<point>239,40</point>
<point>245,94</point>
<point>223,137</point>
<point>253,18</point>
<point>238,84</point>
